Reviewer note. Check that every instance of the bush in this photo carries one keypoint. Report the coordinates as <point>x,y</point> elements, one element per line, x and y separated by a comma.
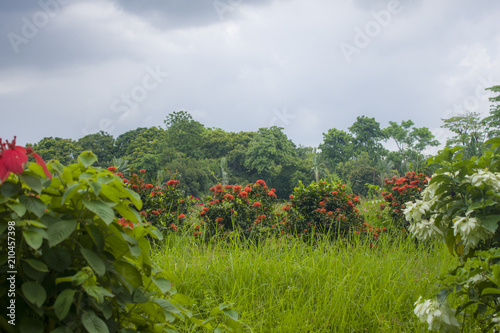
<point>324,208</point>
<point>164,206</point>
<point>461,206</point>
<point>399,191</point>
<point>78,248</point>
<point>233,207</point>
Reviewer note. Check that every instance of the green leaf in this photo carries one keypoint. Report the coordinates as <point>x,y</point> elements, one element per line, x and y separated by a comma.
<point>87,158</point>
<point>166,305</point>
<point>162,284</point>
<point>489,222</point>
<point>56,258</point>
<point>33,204</point>
<point>94,261</point>
<point>102,210</point>
<point>71,191</point>
<point>139,297</point>
<point>63,303</point>
<point>60,231</point>
<point>231,313</point>
<point>38,265</point>
<point>34,237</point>
<point>92,323</point>
<point>9,189</point>
<point>129,272</point>
<point>182,299</point>
<point>96,235</point>
<point>34,293</point>
<point>97,292</point>
<point>96,187</point>
<point>19,209</point>
<point>128,212</point>
<point>490,291</point>
<point>33,182</point>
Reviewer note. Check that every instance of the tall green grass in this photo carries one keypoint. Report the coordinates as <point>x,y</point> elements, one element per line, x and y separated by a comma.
<point>283,285</point>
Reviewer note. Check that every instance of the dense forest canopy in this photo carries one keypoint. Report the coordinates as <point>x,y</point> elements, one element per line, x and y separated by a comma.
<point>198,156</point>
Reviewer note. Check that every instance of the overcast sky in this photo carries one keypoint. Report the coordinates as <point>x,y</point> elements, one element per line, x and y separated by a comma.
<point>70,68</point>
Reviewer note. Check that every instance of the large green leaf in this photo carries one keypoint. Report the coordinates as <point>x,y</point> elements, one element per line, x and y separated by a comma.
<point>94,261</point>
<point>56,258</point>
<point>60,231</point>
<point>34,293</point>
<point>129,272</point>
<point>96,235</point>
<point>9,189</point>
<point>63,303</point>
<point>34,237</point>
<point>166,305</point>
<point>33,182</point>
<point>19,209</point>
<point>102,210</point>
<point>94,324</point>
<point>97,292</point>
<point>38,265</point>
<point>127,212</point>
<point>87,158</point>
<point>162,284</point>
<point>489,222</point>
<point>33,204</point>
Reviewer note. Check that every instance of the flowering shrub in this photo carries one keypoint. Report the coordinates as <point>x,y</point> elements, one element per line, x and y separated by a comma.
<point>399,191</point>
<point>234,207</point>
<point>324,208</point>
<point>78,266</point>
<point>164,206</point>
<point>461,206</point>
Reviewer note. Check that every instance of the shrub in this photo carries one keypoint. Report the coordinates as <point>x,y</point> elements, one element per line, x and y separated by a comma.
<point>399,191</point>
<point>164,206</point>
<point>461,206</point>
<point>78,250</point>
<point>324,208</point>
<point>233,207</point>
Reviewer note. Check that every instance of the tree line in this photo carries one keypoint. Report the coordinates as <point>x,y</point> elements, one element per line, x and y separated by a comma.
<point>198,156</point>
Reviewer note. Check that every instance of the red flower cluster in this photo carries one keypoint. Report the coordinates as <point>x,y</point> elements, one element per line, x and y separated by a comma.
<point>13,159</point>
<point>398,191</point>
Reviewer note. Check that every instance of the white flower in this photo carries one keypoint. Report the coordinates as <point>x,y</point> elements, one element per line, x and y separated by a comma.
<point>475,280</point>
<point>414,211</point>
<point>438,316</point>
<point>470,230</point>
<point>484,176</point>
<point>425,229</point>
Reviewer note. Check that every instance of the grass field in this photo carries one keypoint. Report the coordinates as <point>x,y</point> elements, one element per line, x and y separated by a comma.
<point>284,285</point>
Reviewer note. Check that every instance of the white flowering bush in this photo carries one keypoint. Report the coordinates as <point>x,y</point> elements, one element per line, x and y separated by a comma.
<point>461,206</point>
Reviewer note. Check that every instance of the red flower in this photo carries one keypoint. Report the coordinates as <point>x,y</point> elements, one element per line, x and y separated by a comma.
<point>217,220</point>
<point>237,188</point>
<point>112,168</point>
<point>149,185</point>
<point>172,183</point>
<point>142,171</point>
<point>181,216</point>
<point>335,192</point>
<point>228,197</point>
<point>13,158</point>
<point>291,196</point>
<point>154,212</point>
<point>243,194</point>
<point>256,204</point>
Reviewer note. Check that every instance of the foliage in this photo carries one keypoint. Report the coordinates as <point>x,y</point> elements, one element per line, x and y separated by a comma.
<point>164,206</point>
<point>233,207</point>
<point>324,208</point>
<point>368,136</point>
<point>79,266</point>
<point>337,146</point>
<point>399,191</point>
<point>101,144</point>
<point>470,132</point>
<point>461,206</point>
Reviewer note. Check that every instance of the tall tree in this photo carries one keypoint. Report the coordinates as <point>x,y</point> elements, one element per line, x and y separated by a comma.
<point>65,151</point>
<point>101,144</point>
<point>185,132</point>
<point>337,146</point>
<point>492,122</point>
<point>368,137</point>
<point>470,132</point>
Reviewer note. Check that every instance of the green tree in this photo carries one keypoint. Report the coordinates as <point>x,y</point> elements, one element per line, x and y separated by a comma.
<point>368,137</point>
<point>185,133</point>
<point>470,132</point>
<point>492,122</point>
<point>101,144</point>
<point>411,141</point>
<point>337,146</point>
<point>63,150</point>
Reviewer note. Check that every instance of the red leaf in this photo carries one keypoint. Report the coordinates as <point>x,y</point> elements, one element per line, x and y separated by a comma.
<point>15,159</point>
<point>41,162</point>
